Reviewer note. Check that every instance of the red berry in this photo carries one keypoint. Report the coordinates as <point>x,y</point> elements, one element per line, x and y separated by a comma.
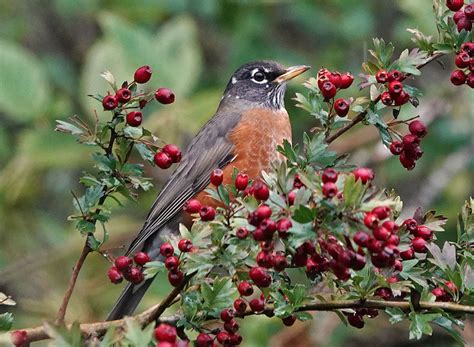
<point>408,254</point>
<point>141,258</point>
<point>396,147</point>
<point>268,227</point>
<point>289,321</point>
<point>390,226</point>
<point>395,88</point>
<point>397,266</point>
<point>134,275</point>
<point>386,99</point>
<point>329,189</point>
<point>164,96</point>
<point>424,232</point>
<point>231,326</point>
<point>439,292</point>
<point>363,174</point>
<point>241,181</point>
<point>381,234</point>
<point>162,160</point>
<point>458,15</point>
<point>321,80</point>
<point>470,79</point>
<point>165,332</point>
<point>358,262</point>
<point>19,337</point>
<point>381,212</point>
<point>361,238</point>
<point>223,337</point>
<point>468,47</point>
<point>245,288</point>
<point>462,60</point>
<point>346,80</point>
<point>410,139</point>
<point>335,78</point>
<point>227,315</point>
<point>173,152</point>
<point>192,206</point>
<point>418,128</point>
<point>280,262</point>
<point>260,276</point>
<point>393,240</point>
<point>283,225</point>
<point>242,233</point>
<point>240,305</point>
<point>109,102</point>
<point>297,182</point>
<point>407,163</point>
<point>123,263</point>
<point>328,90</point>
<point>451,286</point>
<point>381,76</point>
<point>260,191</point>
<point>410,224</point>
<point>123,95</point>
<point>370,220</point>
<point>356,320</point>
<point>217,177</point>
<point>134,118</point>
<point>458,77</point>
<point>469,11</point>
<point>265,259</point>
<point>401,99</point>
<point>166,250</point>
<point>454,5</point>
<point>207,213</point>
<point>204,340</point>
<point>329,175</point>
<point>341,106</point>
<point>322,72</point>
<point>114,275</point>
<point>263,211</point>
<point>175,278</point>
<point>419,245</point>
<point>464,24</point>
<point>384,293</point>
<point>142,74</point>
<point>395,75</point>
<point>185,245</point>
<point>291,197</point>
<point>257,305</point>
<point>172,263</point>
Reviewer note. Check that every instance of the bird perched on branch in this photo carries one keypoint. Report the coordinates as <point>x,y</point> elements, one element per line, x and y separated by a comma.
<point>249,124</point>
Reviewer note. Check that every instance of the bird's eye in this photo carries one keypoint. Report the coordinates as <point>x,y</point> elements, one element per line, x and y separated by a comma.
<point>259,77</point>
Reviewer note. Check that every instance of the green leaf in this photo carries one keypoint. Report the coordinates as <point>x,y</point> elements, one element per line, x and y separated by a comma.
<point>145,152</point>
<point>445,258</point>
<point>6,321</point>
<point>299,233</point>
<point>219,295</point>
<point>304,214</point>
<point>223,194</point>
<point>24,90</point>
<point>135,336</point>
<point>420,324</point>
<point>109,338</point>
<point>303,316</point>
<point>85,227</point>
<point>382,52</point>
<point>396,314</point>
<point>152,268</point>
<point>353,191</point>
<point>64,337</point>
<point>104,163</point>
<point>68,128</point>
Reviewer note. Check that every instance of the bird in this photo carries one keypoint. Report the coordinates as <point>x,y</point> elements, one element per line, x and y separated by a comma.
<point>249,124</point>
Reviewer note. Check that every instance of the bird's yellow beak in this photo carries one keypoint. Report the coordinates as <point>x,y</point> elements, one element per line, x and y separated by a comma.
<point>291,73</point>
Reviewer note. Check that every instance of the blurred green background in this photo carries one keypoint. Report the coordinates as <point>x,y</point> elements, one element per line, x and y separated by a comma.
<point>51,54</point>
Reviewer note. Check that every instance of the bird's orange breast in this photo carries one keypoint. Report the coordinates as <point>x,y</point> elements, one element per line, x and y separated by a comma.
<point>255,138</point>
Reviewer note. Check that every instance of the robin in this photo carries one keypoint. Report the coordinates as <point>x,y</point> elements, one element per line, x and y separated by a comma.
<point>250,122</point>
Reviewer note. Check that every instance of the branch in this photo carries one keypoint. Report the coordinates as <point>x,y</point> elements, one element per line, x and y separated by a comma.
<point>361,116</point>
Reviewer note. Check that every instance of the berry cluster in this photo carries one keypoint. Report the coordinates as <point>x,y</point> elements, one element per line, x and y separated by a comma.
<point>409,149</point>
<point>394,95</point>
<point>464,17</point>
<point>420,235</point>
<point>172,262</point>
<point>166,336</point>
<point>356,318</point>
<point>329,82</point>
<point>227,336</point>
<point>465,63</point>
<point>124,268</point>
<point>445,293</point>
<point>168,155</point>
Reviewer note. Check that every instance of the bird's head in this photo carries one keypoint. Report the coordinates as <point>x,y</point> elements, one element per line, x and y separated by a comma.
<point>262,82</point>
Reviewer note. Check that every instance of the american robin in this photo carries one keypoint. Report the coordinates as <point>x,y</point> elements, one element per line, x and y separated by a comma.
<point>250,122</point>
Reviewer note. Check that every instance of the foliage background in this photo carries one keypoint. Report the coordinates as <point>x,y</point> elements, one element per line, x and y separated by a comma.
<point>51,54</point>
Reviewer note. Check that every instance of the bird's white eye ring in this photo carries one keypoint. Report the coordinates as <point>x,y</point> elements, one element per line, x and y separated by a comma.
<point>258,77</point>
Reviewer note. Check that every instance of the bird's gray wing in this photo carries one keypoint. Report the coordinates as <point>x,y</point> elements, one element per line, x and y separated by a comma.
<point>210,149</point>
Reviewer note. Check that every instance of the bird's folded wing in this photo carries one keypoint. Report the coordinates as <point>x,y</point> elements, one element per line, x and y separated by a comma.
<point>210,149</point>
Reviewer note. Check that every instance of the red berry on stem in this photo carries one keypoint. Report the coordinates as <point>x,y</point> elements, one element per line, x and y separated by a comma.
<point>114,275</point>
<point>396,147</point>
<point>283,225</point>
<point>470,79</point>
<point>134,275</point>
<point>458,15</point>
<point>245,288</point>
<point>123,263</point>
<point>410,224</point>
<point>410,139</point>
<point>395,75</point>
<point>165,332</point>
<point>458,77</point>
<point>451,286</point>
<point>257,305</point>
<point>173,152</point>
<point>142,74</point>
<point>204,340</point>
<point>424,232</point>
<point>419,245</point>
<point>329,189</point>
<point>356,321</point>
<point>335,78</point>
<point>469,11</point>
<point>462,60</point>
<point>381,76</point>
<point>328,90</point>
<point>217,177</point>
<point>231,326</point>
<point>134,118</point>
<point>439,293</point>
<point>395,88</point>
<point>241,181</point>
<point>192,206</point>
<point>242,233</point>
<point>386,99</point>
<point>407,163</point>
<point>381,212</point>
<point>464,24</point>
<point>123,95</point>
<point>141,258</point>
<point>227,315</point>
<point>263,211</point>
<point>401,99</point>
<point>381,234</point>
<point>363,174</point>
<point>207,213</point>
<point>329,175</point>
<point>223,337</point>
<point>185,245</point>
<point>361,238</point>
<point>346,80</point>
<point>109,102</point>
<point>175,278</point>
<point>418,128</point>
<point>260,276</point>
<point>162,160</point>
<point>454,5</point>
<point>370,220</point>
<point>240,305</point>
<point>166,250</point>
<point>260,191</point>
<point>289,321</point>
<point>341,106</point>
<point>164,96</point>
<point>408,254</point>
<point>291,197</point>
<point>280,262</point>
<point>172,263</point>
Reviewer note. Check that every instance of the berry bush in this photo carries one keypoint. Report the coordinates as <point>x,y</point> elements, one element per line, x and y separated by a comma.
<point>313,234</point>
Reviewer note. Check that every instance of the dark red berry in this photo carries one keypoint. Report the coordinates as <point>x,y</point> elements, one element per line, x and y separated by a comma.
<point>19,338</point>
<point>419,245</point>
<point>386,99</point>
<point>395,75</point>
<point>235,339</point>
<point>346,80</point>
<point>329,175</point>
<point>123,263</point>
<point>390,226</point>
<point>265,259</point>
<point>454,5</point>
<point>260,191</point>
<point>413,152</point>
<point>162,160</point>
<point>356,321</point>
<point>109,102</point>
<point>227,315</point>
<point>217,177</point>
<point>204,340</point>
<point>241,181</point>
<point>410,224</point>
<point>164,96</point>
<point>381,212</point>
<point>280,262</point>
<point>291,197</point>
<point>407,163</point>
<point>396,147</point>
<point>141,258</point>
<point>381,234</point>
<point>260,276</point>
<point>173,152</point>
<point>257,305</point>
<point>410,139</point>
<point>240,305</point>
<point>398,266</point>
<point>134,275</point>
<point>175,278</point>
<point>468,47</point>
<point>114,275</point>
<point>439,293</point>
<point>242,233</point>
<point>329,189</point>
<point>134,118</point>
<point>408,254</point>
<point>469,11</point>
<point>142,74</point>
<point>123,95</point>
<point>335,78</point>
<point>328,90</point>
<point>363,174</point>
<point>470,79</point>
<point>245,288</point>
<point>361,238</point>
<point>165,332</point>
<point>166,250</point>
<point>341,106</point>
<point>370,220</point>
<point>458,15</point>
<point>395,88</point>
<point>192,206</point>
<point>393,240</point>
<point>384,293</point>
<point>424,232</point>
<point>185,245</point>
<point>418,128</point>
<point>223,337</point>
<point>401,99</point>
<point>289,321</point>
<point>283,225</point>
<point>462,60</point>
<point>231,326</point>
<point>381,76</point>
<point>464,24</point>
<point>263,211</point>
<point>374,245</point>
<point>172,263</point>
<point>207,213</point>
<point>458,77</point>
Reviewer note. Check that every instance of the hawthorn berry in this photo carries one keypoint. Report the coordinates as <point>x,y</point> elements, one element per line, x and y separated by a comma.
<point>346,80</point>
<point>451,286</point>
<point>227,315</point>
<point>207,213</point>
<point>407,162</point>
<point>395,88</point>
<point>329,189</point>
<point>363,174</point>
<point>240,305</point>
<point>381,212</point>
<point>341,106</point>
<point>393,240</point>
<point>334,78</point>
<point>439,293</point>
<point>260,191</point>
<point>401,99</point>
<point>241,181</point>
<point>173,152</point>
<point>242,233</point>
<point>19,337</point>
<point>142,74</point>
<point>141,258</point>
<point>381,234</point>
<point>458,77</point>
<point>410,224</point>
<point>223,337</point>
<point>289,321</point>
<point>263,211</point>
<point>134,118</point>
<point>114,275</point>
<point>361,238</point>
<point>231,326</point>
<point>384,292</point>
<point>454,5</point>
<point>386,99</point>
<point>260,276</point>
<point>424,232</point>
<point>264,259</point>
<point>381,76</point>
<point>291,197</point>
<point>418,128</point>
<point>217,177</point>
<point>283,225</point>
<point>235,339</point>
<point>165,332</point>
<point>329,175</point>
<point>390,226</point>
<point>464,24</point>
<point>185,245</point>
<point>469,11</point>
<point>458,15</point>
<point>109,102</point>
<point>370,220</point>
<point>257,305</point>
<point>374,245</point>
<point>164,96</point>
<point>134,275</point>
<point>396,147</point>
<point>123,95</point>
<point>408,254</point>
<point>162,160</point>
<point>280,262</point>
<point>166,250</point>
<point>175,278</point>
<point>123,263</point>
<point>268,227</point>
<point>245,288</point>
<point>462,60</point>
<point>394,75</point>
<point>470,79</point>
<point>192,206</point>
<point>204,340</point>
<point>356,320</point>
<point>419,245</point>
<point>398,266</point>
<point>328,90</point>
<point>172,263</point>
